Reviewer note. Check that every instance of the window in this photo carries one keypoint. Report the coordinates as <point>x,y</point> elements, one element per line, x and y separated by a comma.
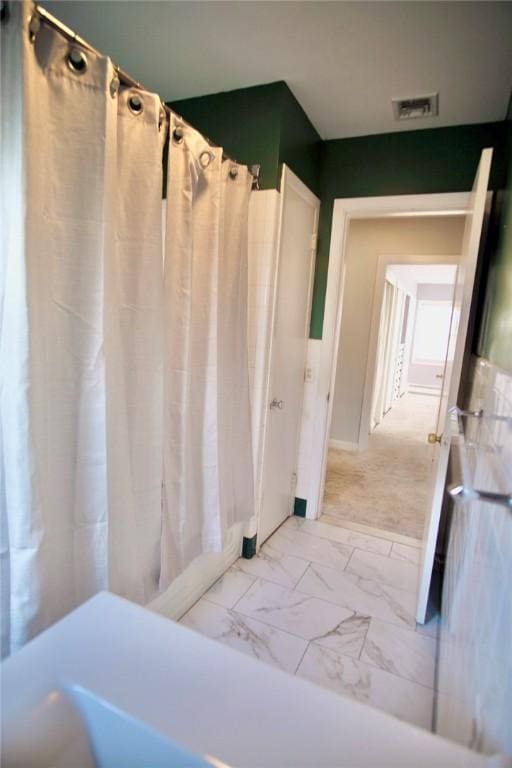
<point>431,331</point>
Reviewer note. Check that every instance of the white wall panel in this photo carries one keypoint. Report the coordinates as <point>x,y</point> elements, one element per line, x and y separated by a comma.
<point>475,666</point>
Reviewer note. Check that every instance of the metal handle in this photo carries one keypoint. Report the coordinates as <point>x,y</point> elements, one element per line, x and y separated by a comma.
<point>433,438</point>
<point>465,489</point>
<point>276,404</point>
<point>503,499</point>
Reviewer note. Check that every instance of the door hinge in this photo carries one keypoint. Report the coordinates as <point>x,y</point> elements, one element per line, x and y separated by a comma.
<point>328,396</point>
<point>314,239</point>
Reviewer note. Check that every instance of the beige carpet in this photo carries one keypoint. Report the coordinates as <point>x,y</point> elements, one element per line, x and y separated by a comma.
<point>387,485</point>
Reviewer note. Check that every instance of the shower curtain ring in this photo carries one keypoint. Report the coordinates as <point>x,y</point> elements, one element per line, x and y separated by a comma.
<point>114,86</point>
<point>205,158</point>
<point>135,104</point>
<point>77,60</point>
<point>177,134</point>
<point>34,26</point>
<point>233,172</point>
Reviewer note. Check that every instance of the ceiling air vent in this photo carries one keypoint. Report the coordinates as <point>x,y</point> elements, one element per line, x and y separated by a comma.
<point>417,106</point>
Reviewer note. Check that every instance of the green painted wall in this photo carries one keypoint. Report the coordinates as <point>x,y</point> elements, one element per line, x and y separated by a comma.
<point>495,340</point>
<point>262,125</point>
<point>266,125</point>
<point>245,122</point>
<point>299,142</point>
<point>412,162</point>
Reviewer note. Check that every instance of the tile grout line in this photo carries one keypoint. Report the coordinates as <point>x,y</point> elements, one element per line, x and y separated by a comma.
<point>387,538</point>
<point>394,674</point>
<point>298,557</point>
<point>256,580</point>
<point>354,533</point>
<point>269,626</point>
<point>302,657</point>
<point>407,628</point>
<point>286,631</point>
<point>314,562</point>
<point>331,602</point>
<point>376,666</point>
<point>309,642</point>
<point>245,591</point>
<point>294,589</point>
<point>365,638</point>
<point>380,581</point>
<point>276,583</point>
<point>252,618</point>
<point>372,664</point>
<point>342,656</point>
<point>348,561</point>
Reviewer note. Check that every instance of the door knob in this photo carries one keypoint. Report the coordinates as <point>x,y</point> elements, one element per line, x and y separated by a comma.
<point>433,438</point>
<point>276,404</point>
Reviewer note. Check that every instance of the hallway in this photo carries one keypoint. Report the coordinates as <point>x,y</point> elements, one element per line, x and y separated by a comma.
<point>385,487</point>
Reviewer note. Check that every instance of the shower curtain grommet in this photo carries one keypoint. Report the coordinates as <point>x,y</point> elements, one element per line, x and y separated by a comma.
<point>205,158</point>
<point>233,172</point>
<point>34,26</point>
<point>208,464</point>
<point>135,104</point>
<point>84,383</point>
<point>177,134</point>
<point>114,86</point>
<point>132,367</point>
<point>77,61</point>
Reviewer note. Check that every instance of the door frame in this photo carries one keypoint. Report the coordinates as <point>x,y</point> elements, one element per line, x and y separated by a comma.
<point>344,211</point>
<point>383,262</point>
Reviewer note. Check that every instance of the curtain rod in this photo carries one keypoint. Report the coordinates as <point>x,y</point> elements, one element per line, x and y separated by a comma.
<point>127,79</point>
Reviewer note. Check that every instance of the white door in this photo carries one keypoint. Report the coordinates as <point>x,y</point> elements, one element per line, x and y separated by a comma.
<point>456,345</point>
<point>297,246</point>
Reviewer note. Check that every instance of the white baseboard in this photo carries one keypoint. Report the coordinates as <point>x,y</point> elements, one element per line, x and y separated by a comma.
<point>341,445</point>
<point>197,579</point>
<point>419,390</point>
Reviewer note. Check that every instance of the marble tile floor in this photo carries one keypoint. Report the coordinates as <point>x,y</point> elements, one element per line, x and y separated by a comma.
<point>335,605</point>
<point>386,486</point>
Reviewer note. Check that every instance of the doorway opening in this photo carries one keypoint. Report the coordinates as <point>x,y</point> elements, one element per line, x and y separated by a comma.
<point>384,485</point>
<point>353,371</point>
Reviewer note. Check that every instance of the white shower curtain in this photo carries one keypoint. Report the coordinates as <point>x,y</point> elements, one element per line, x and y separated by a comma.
<point>133,317</point>
<point>208,475</point>
<point>125,429</point>
<point>80,352</point>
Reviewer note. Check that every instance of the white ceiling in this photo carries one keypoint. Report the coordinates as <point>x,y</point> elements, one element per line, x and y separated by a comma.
<point>344,61</point>
<point>425,273</point>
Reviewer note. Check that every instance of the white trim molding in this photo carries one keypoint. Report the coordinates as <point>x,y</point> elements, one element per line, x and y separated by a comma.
<point>344,210</point>
<point>382,263</point>
<point>342,445</point>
